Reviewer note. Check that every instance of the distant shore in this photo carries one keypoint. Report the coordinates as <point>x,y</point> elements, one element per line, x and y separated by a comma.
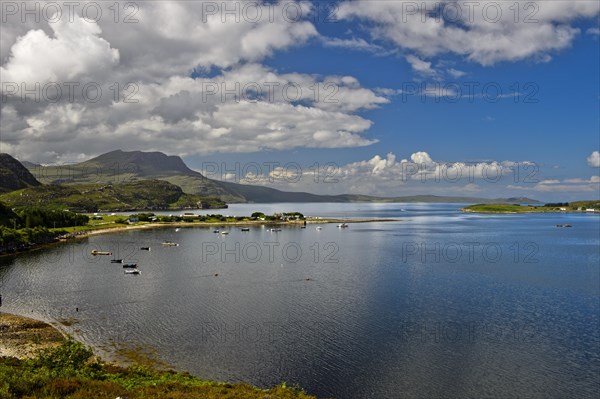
<point>522,209</point>
<point>96,230</point>
<point>245,223</point>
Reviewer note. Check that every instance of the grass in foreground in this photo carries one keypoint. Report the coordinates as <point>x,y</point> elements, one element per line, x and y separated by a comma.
<point>71,371</point>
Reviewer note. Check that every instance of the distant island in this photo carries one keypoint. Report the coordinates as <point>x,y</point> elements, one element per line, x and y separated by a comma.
<point>578,206</point>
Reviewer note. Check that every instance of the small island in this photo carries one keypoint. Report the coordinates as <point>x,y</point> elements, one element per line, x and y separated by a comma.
<point>578,206</point>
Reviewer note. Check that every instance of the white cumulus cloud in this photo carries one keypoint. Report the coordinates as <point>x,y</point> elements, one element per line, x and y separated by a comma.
<point>389,176</point>
<point>485,32</point>
<point>75,50</point>
<point>594,159</point>
<point>168,57</point>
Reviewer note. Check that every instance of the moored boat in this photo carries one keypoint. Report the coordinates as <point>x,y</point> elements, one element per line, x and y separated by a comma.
<point>133,271</point>
<point>130,266</point>
<point>94,252</point>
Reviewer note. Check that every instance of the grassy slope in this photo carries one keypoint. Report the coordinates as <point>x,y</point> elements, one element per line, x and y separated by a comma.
<point>119,167</point>
<point>200,185</point>
<point>585,204</point>
<point>71,371</point>
<point>13,175</point>
<point>144,194</point>
<point>6,215</point>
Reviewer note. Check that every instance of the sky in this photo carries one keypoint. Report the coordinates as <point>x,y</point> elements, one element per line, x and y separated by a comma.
<point>391,98</point>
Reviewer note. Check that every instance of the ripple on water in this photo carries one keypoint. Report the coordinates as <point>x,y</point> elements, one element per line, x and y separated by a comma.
<point>374,322</point>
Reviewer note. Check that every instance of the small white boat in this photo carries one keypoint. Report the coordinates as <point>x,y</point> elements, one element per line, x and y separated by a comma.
<point>177,229</point>
<point>170,244</point>
<point>319,228</point>
<point>96,252</point>
<point>133,271</point>
<point>224,233</point>
<point>343,225</point>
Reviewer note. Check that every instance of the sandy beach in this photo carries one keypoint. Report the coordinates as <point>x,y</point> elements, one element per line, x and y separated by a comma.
<point>22,337</point>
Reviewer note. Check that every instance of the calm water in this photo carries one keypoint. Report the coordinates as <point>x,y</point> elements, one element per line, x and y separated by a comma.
<point>438,304</point>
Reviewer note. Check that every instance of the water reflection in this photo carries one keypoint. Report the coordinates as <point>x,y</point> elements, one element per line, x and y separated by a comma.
<point>378,310</point>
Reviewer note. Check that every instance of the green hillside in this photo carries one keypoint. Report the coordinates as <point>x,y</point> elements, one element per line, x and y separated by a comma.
<point>13,175</point>
<point>70,370</point>
<point>126,167</point>
<point>7,216</point>
<point>142,194</point>
<point>585,204</point>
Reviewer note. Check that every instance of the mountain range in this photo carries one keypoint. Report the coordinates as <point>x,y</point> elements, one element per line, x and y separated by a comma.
<point>125,167</point>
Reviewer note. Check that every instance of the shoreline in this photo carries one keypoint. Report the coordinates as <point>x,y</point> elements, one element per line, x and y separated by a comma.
<point>24,337</point>
<point>159,225</point>
<point>38,360</point>
<point>465,210</point>
<point>230,224</point>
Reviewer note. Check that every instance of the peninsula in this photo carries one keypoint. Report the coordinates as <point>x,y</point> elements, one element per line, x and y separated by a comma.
<point>590,207</point>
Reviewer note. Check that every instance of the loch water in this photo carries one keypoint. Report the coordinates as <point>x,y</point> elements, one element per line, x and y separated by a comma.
<point>436,304</point>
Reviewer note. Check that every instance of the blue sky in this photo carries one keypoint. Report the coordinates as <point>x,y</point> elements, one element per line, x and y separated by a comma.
<point>555,122</point>
<point>376,53</point>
